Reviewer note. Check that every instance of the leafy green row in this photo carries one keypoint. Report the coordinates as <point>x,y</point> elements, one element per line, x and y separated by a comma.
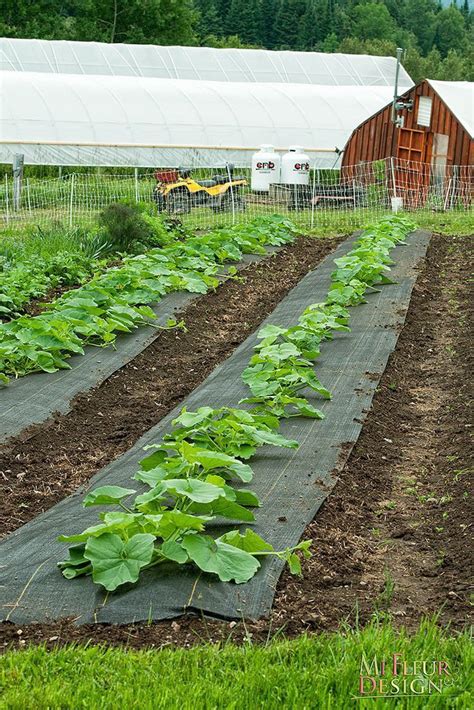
<point>115,301</point>
<point>193,474</point>
<point>34,277</point>
<point>283,364</point>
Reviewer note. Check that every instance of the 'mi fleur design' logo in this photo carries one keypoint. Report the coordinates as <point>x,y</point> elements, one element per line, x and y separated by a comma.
<point>397,677</point>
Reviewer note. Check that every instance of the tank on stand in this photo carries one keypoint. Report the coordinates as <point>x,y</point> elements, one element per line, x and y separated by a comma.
<point>265,168</point>
<point>295,172</point>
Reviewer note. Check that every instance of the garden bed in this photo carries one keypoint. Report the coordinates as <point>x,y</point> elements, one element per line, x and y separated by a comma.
<point>49,461</point>
<point>288,500</point>
<point>377,543</point>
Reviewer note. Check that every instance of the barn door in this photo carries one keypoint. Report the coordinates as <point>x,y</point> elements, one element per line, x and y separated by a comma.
<point>412,175</point>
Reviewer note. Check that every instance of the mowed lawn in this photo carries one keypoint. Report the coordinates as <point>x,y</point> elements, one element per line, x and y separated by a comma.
<point>318,671</point>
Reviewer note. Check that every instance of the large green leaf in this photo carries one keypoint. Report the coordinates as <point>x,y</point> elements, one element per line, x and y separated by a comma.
<point>225,509</point>
<point>173,551</point>
<point>262,436</point>
<point>191,419</point>
<point>228,562</point>
<point>172,521</point>
<point>214,459</point>
<point>195,490</point>
<point>249,541</point>
<point>123,524</point>
<point>152,476</point>
<point>115,563</point>
<point>107,495</point>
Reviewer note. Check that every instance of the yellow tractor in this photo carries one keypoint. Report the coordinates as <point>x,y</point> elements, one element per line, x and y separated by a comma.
<point>176,191</point>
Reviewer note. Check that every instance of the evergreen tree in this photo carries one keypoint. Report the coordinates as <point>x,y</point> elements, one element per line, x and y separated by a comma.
<point>243,19</point>
<point>269,9</point>
<point>287,23</point>
<point>210,22</point>
<point>330,43</point>
<point>452,68</point>
<point>309,31</point>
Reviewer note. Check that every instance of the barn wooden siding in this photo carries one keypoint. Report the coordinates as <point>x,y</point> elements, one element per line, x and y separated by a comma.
<point>377,137</point>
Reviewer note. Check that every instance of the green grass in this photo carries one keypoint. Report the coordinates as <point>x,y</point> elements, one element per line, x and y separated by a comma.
<point>46,242</point>
<point>459,223</point>
<point>323,223</point>
<point>310,672</point>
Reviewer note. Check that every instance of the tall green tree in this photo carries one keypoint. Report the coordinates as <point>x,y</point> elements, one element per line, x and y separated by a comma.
<point>210,21</point>
<point>373,21</point>
<point>141,21</point>
<point>419,16</point>
<point>309,30</point>
<point>287,23</point>
<point>450,30</point>
<point>244,19</point>
<point>269,9</point>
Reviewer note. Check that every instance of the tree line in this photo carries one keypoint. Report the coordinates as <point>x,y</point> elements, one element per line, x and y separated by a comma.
<point>438,38</point>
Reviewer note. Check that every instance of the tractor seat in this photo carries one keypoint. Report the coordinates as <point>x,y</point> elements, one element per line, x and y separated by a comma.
<point>206,183</point>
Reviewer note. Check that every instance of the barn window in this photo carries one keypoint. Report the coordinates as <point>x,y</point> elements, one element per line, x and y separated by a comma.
<point>424,111</point>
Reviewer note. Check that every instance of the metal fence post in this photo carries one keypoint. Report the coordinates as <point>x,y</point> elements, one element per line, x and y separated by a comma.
<point>71,199</point>
<point>137,194</point>
<point>392,170</point>
<point>7,207</point>
<point>313,195</point>
<point>18,161</point>
<point>229,174</point>
<point>28,196</point>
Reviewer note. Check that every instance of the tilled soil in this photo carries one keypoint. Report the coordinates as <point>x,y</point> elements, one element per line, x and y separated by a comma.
<point>396,533</point>
<point>47,462</point>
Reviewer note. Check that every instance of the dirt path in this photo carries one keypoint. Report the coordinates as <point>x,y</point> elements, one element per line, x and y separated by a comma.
<point>396,533</point>
<point>49,461</point>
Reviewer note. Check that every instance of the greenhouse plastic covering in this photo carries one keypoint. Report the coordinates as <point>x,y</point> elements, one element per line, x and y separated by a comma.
<point>64,119</point>
<point>202,63</point>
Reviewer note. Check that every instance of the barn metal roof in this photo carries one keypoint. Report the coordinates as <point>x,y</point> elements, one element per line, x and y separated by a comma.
<point>459,97</point>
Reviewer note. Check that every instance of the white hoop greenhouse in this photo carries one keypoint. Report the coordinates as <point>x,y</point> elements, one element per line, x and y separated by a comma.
<point>201,63</point>
<point>58,119</point>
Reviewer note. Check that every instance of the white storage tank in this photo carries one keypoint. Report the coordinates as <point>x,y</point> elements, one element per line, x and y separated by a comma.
<point>265,168</point>
<point>295,167</point>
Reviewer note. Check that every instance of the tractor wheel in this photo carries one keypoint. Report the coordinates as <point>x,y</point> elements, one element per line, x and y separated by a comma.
<point>226,204</point>
<point>159,201</point>
<point>178,204</point>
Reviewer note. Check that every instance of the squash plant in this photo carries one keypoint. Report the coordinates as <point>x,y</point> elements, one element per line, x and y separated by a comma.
<point>194,476</point>
<point>117,301</point>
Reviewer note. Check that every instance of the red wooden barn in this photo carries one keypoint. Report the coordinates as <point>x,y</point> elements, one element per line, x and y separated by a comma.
<point>433,138</point>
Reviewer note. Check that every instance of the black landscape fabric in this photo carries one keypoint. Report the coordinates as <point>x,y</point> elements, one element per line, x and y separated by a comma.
<point>33,399</point>
<point>292,484</point>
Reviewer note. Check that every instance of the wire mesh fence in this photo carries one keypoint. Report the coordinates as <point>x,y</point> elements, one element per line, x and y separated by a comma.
<point>204,198</point>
